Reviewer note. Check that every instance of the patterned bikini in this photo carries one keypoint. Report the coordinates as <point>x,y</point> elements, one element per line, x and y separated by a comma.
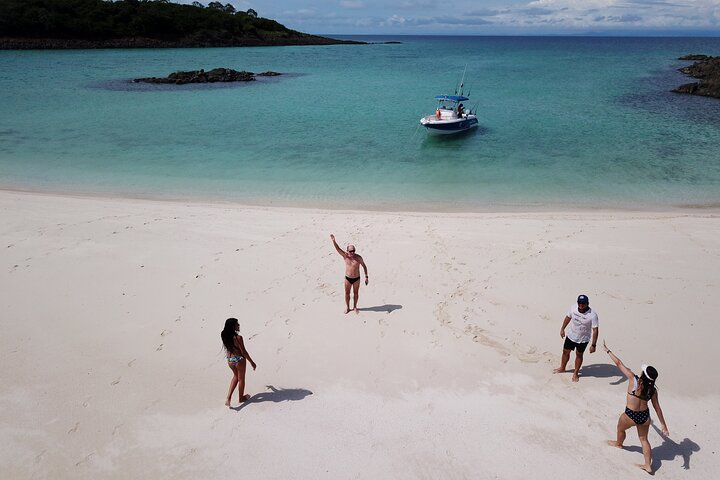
<point>638,417</point>
<point>234,359</point>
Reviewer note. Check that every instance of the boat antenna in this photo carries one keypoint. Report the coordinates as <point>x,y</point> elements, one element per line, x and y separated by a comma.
<point>462,82</point>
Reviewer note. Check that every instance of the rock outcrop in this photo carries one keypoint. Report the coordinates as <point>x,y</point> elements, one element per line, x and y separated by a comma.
<point>211,76</point>
<point>707,70</point>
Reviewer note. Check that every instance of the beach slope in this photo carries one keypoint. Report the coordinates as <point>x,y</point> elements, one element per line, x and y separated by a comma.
<point>112,365</point>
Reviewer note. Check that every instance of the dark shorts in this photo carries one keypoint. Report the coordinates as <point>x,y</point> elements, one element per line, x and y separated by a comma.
<point>570,345</point>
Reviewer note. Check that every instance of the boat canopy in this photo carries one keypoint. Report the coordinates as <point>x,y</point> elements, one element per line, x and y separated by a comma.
<point>452,98</point>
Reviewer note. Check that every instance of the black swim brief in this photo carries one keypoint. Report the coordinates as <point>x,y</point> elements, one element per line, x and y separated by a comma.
<point>570,345</point>
<point>352,280</point>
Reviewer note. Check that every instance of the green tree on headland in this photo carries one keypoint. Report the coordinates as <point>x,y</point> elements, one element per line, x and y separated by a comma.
<point>153,23</point>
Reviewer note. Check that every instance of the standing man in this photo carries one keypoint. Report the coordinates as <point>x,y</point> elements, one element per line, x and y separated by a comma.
<point>352,273</point>
<point>583,325</point>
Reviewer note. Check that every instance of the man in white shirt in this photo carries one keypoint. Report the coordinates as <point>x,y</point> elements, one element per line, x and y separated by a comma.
<point>583,323</point>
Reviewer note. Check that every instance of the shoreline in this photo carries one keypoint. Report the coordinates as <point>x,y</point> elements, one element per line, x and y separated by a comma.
<point>406,208</point>
<point>302,40</point>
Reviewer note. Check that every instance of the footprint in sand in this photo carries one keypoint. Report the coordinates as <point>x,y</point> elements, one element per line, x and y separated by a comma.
<point>85,459</point>
<point>74,429</point>
<point>160,347</point>
<point>39,456</point>
<point>130,363</point>
<point>115,382</point>
<point>165,332</point>
<point>189,452</point>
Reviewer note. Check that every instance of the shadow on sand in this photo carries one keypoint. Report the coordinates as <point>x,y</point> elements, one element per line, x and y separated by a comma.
<point>387,308</point>
<point>604,370</point>
<point>276,395</point>
<point>669,450</point>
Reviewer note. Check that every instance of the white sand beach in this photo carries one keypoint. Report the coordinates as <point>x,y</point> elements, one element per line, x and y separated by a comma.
<point>112,365</point>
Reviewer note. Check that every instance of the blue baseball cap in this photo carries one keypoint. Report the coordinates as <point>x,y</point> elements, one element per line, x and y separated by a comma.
<point>583,299</point>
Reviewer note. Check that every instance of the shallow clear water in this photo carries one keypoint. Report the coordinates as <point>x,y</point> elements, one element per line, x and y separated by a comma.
<point>585,122</point>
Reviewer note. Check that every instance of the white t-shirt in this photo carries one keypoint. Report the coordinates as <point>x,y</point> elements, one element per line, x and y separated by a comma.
<point>581,324</point>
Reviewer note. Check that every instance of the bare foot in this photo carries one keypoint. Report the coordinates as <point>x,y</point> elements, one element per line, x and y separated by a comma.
<point>347,310</point>
<point>558,370</point>
<point>356,310</point>
<point>245,398</point>
<point>647,468</point>
<point>227,403</point>
<point>576,377</point>
<point>613,443</point>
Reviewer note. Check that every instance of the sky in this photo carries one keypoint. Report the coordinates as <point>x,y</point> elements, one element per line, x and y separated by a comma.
<point>491,17</point>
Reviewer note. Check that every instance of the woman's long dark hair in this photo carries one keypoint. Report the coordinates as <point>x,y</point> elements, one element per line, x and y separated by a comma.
<point>228,334</point>
<point>648,384</point>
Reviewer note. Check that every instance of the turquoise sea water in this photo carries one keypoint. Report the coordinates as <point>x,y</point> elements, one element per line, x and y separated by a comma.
<point>564,122</point>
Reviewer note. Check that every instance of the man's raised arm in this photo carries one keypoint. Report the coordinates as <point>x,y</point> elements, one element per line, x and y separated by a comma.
<point>337,247</point>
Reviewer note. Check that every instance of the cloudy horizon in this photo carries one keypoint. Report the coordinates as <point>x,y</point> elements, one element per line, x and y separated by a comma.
<point>491,17</point>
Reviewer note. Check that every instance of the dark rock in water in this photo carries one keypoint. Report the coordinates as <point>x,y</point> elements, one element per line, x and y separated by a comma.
<point>705,68</point>
<point>268,74</point>
<point>201,76</point>
<point>695,57</point>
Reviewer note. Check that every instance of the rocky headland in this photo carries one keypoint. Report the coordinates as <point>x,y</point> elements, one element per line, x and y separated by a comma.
<point>16,43</point>
<point>85,24</point>
<point>211,76</point>
<point>707,69</point>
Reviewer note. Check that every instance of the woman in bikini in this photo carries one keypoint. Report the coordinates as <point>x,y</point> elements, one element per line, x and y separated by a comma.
<point>236,358</point>
<point>641,390</point>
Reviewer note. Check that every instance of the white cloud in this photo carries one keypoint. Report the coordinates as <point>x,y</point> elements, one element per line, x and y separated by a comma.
<point>395,20</point>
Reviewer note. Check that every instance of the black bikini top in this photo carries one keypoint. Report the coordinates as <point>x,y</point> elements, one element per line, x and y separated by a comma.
<point>635,386</point>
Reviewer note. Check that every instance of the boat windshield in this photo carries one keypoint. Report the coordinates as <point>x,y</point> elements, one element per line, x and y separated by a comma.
<point>447,104</point>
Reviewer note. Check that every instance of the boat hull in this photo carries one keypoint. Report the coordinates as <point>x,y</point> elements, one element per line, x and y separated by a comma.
<point>448,127</point>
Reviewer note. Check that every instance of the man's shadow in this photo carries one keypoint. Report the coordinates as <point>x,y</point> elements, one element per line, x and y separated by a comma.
<point>669,450</point>
<point>603,370</point>
<point>276,395</point>
<point>387,308</point>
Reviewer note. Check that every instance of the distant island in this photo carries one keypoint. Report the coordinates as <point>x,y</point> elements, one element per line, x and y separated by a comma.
<point>64,24</point>
<point>707,70</point>
<point>215,75</point>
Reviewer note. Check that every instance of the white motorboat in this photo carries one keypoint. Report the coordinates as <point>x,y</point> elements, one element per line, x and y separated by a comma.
<point>450,116</point>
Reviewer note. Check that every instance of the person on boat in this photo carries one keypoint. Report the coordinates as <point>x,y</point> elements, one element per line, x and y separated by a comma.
<point>640,391</point>
<point>583,324</point>
<point>461,109</point>
<point>237,358</point>
<point>353,262</point>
